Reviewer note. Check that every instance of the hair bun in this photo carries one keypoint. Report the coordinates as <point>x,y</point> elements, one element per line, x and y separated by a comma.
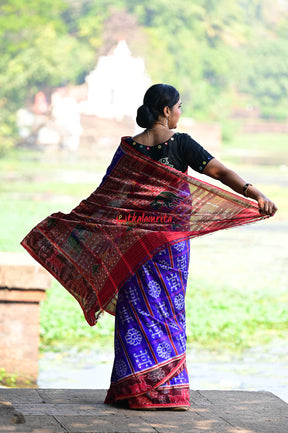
<point>145,117</point>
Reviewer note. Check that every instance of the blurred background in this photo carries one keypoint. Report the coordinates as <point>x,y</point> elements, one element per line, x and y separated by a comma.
<point>72,74</point>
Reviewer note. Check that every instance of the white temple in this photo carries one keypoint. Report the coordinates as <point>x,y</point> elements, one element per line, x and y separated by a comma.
<point>117,85</point>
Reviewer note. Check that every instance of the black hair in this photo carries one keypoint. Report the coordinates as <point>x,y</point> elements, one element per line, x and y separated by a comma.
<point>156,98</point>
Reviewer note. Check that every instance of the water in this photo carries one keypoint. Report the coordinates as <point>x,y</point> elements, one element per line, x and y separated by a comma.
<point>257,369</point>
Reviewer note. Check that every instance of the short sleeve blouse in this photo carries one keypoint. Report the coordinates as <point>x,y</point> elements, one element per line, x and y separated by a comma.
<point>179,152</point>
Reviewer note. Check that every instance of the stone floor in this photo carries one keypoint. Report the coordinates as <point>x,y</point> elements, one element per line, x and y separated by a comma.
<point>83,411</point>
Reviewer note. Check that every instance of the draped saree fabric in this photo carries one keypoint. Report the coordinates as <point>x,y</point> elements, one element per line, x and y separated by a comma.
<point>149,370</point>
<point>140,207</point>
<point>125,250</point>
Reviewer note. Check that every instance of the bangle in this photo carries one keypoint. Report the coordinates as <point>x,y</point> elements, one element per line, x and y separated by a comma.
<point>245,187</point>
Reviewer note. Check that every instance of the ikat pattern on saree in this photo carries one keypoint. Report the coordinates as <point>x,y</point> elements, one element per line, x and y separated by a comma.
<point>140,207</point>
<point>150,333</point>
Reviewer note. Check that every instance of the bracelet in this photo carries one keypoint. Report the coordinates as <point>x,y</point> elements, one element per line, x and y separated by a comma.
<point>245,187</point>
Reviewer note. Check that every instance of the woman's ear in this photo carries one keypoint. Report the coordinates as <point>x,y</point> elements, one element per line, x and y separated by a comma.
<point>166,111</point>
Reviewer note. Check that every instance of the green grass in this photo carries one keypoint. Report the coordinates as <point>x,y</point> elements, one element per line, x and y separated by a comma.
<point>259,142</point>
<point>63,324</point>
<point>237,293</point>
<point>237,290</point>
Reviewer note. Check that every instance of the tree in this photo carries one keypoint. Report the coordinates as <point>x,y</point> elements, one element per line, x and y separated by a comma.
<point>37,52</point>
<point>209,49</point>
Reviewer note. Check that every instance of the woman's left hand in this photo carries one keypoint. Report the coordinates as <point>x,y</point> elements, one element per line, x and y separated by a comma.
<point>266,206</point>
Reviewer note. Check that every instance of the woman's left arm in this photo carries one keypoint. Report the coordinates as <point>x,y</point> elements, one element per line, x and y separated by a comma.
<point>219,171</point>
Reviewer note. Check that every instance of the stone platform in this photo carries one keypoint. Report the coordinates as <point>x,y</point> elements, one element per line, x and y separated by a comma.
<point>83,411</point>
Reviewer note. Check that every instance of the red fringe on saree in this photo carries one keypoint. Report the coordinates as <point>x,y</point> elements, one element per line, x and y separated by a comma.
<point>139,208</point>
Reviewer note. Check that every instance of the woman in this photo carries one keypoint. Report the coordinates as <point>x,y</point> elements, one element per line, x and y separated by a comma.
<point>159,115</point>
<point>150,313</point>
<point>125,249</point>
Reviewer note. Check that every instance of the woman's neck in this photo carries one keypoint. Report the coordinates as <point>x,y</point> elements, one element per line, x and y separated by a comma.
<point>153,136</point>
<point>161,125</point>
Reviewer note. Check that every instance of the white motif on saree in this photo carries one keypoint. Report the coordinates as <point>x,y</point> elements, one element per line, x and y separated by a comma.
<point>125,316</point>
<point>179,246</point>
<point>133,296</point>
<point>173,282</point>
<point>185,275</point>
<point>143,313</point>
<point>143,359</point>
<point>164,264</point>
<point>154,289</point>
<point>179,301</point>
<point>181,377</point>
<point>154,329</point>
<point>120,367</point>
<point>147,269</point>
<point>182,340</point>
<point>162,309</point>
<point>182,319</point>
<point>133,337</point>
<point>164,350</point>
<point>174,325</point>
<point>181,262</point>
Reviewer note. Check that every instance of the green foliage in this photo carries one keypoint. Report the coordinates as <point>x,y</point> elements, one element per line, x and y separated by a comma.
<point>85,20</point>
<point>211,48</point>
<point>37,52</point>
<point>14,380</point>
<point>266,77</point>
<point>208,49</point>
<point>7,379</point>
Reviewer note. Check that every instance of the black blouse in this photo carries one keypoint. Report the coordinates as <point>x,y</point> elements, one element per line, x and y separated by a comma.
<point>179,152</point>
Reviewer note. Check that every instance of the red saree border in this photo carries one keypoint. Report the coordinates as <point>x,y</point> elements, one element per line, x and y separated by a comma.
<point>140,383</point>
<point>162,399</point>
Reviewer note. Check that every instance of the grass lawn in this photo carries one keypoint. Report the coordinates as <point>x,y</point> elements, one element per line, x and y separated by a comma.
<point>237,291</point>
<point>259,142</point>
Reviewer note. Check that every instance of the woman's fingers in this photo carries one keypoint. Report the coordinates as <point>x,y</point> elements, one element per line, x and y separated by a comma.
<point>267,207</point>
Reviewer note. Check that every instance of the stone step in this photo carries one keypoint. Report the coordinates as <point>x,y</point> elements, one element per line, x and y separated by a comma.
<point>83,411</point>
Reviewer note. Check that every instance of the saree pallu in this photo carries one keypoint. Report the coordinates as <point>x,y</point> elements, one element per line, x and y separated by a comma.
<point>140,207</point>
<point>108,245</point>
<point>149,369</point>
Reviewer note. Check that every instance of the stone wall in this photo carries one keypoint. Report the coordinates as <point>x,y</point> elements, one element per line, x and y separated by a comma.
<point>22,287</point>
